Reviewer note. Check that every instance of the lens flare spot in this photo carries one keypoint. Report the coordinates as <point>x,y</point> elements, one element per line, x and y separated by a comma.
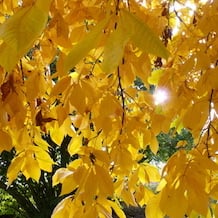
<point>160,96</point>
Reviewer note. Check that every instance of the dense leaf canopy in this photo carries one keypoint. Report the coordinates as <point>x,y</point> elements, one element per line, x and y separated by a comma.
<point>84,70</point>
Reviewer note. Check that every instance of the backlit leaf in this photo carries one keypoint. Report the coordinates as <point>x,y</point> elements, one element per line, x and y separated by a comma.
<point>114,48</point>
<point>117,209</point>
<point>155,76</point>
<point>81,49</point>
<point>152,208</point>
<point>14,169</point>
<point>20,31</point>
<point>143,36</point>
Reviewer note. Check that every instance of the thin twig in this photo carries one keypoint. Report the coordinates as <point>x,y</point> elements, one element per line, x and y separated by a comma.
<point>121,93</point>
<point>209,125</point>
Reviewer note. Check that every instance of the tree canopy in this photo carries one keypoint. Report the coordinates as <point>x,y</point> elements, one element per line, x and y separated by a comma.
<point>99,80</point>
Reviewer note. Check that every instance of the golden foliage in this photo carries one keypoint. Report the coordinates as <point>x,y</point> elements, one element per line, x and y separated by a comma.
<point>98,49</point>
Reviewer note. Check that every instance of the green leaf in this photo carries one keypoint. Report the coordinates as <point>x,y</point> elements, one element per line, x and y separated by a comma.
<point>81,49</point>
<point>20,31</point>
<point>142,36</point>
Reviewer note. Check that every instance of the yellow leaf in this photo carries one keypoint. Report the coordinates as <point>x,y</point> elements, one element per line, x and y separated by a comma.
<point>128,197</point>
<point>216,211</point>
<point>124,160</point>
<point>60,175</point>
<point>75,144</point>
<point>117,209</point>
<point>196,115</point>
<point>155,76</point>
<point>57,135</point>
<point>20,31</point>
<point>69,184</point>
<point>78,99</point>
<point>90,187</point>
<point>14,168</point>
<point>143,195</point>
<point>104,182</point>
<point>103,209</point>
<point>39,141</point>
<point>203,61</point>
<point>90,212</point>
<point>63,208</point>
<point>152,172</point>
<point>61,86</point>
<point>114,48</point>
<point>154,146</point>
<point>171,195</point>
<point>5,141</point>
<point>43,158</point>
<point>153,209</point>
<point>143,177</point>
<point>198,198</point>
<point>143,36</point>
<point>209,79</point>
<point>30,168</point>
<point>81,49</point>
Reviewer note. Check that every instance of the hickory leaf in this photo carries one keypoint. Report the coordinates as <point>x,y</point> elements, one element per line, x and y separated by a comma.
<point>81,49</point>
<point>20,31</point>
<point>142,36</point>
<point>114,48</point>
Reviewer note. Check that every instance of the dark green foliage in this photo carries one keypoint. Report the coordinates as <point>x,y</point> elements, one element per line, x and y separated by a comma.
<point>9,206</point>
<point>168,145</point>
<point>138,84</point>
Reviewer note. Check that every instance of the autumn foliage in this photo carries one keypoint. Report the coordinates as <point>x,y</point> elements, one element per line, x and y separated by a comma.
<point>68,69</point>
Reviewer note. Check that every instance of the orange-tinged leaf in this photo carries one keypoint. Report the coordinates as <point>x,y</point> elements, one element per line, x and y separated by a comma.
<point>5,141</point>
